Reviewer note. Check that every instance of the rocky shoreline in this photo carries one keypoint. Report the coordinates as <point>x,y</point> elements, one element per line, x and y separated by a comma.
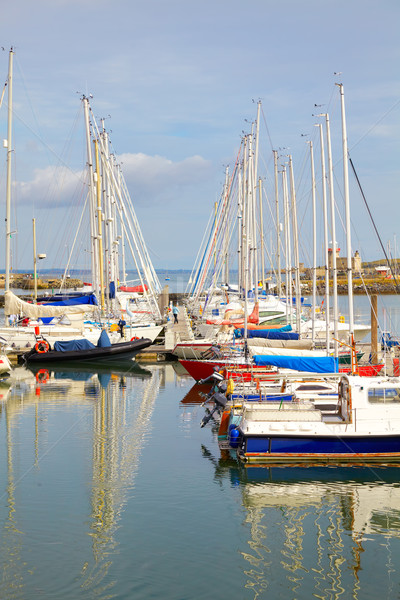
<point>380,288</point>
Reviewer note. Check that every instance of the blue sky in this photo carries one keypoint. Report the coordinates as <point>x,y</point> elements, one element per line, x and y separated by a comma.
<point>177,83</point>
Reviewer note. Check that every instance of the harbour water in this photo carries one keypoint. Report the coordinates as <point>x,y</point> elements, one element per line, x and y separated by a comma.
<point>110,489</point>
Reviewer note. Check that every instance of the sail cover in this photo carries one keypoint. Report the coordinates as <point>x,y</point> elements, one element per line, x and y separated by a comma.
<point>15,306</point>
<point>272,334</point>
<point>74,301</point>
<point>320,364</point>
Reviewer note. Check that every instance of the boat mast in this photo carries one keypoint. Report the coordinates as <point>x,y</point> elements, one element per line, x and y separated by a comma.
<point>226,250</point>
<point>314,218</point>
<point>93,248</point>
<point>333,228</point>
<point>252,194</point>
<point>278,226</point>
<point>99,224</point>
<point>325,214</point>
<point>34,262</point>
<point>258,183</point>
<point>8,183</point>
<point>347,215</point>
<point>260,195</point>
<point>296,245</point>
<point>288,257</point>
<point>106,166</point>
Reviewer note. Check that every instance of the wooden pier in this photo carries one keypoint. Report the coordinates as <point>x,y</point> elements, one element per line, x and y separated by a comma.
<point>173,333</point>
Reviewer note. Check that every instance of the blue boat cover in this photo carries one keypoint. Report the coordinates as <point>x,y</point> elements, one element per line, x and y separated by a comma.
<point>104,379</point>
<point>84,299</point>
<point>104,340</point>
<point>283,333</point>
<point>76,375</point>
<point>73,345</point>
<point>112,289</point>
<point>318,364</point>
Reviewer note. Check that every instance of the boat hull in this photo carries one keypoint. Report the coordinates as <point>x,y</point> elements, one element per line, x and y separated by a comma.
<point>110,353</point>
<point>310,449</point>
<point>201,369</point>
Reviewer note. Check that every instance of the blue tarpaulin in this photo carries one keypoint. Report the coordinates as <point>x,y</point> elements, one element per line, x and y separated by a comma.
<point>104,340</point>
<point>104,379</point>
<point>283,333</point>
<point>73,345</point>
<point>84,299</point>
<point>318,364</point>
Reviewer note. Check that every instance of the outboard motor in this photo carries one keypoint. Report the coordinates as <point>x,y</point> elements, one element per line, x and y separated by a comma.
<point>216,395</point>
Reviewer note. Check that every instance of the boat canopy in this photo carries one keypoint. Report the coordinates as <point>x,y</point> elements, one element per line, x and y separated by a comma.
<point>318,364</point>
<point>73,301</point>
<point>70,345</point>
<point>84,344</point>
<point>283,333</point>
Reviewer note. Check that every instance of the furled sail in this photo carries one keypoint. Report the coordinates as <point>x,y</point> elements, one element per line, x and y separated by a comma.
<point>15,306</point>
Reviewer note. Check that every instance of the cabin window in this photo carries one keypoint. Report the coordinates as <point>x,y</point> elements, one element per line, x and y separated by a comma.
<point>379,395</point>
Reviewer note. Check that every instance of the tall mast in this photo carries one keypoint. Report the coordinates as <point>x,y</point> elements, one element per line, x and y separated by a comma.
<point>108,237</point>
<point>347,214</point>
<point>288,256</point>
<point>226,249</point>
<point>296,245</point>
<point>93,247</point>
<point>261,235</point>
<point>8,184</point>
<point>99,224</point>
<point>252,193</point>
<point>314,218</point>
<point>325,211</point>
<point>278,226</point>
<point>258,184</point>
<point>34,262</point>
<point>333,229</point>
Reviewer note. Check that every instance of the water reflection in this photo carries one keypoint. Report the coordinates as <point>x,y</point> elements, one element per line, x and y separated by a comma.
<point>316,531</point>
<point>116,407</point>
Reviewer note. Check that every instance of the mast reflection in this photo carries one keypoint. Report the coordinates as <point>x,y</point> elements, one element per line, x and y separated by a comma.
<point>121,404</point>
<point>312,525</point>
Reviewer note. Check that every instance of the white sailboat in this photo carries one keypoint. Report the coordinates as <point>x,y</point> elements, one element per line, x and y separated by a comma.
<point>68,324</point>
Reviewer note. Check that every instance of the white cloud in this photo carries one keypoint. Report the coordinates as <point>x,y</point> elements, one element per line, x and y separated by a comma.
<point>150,180</point>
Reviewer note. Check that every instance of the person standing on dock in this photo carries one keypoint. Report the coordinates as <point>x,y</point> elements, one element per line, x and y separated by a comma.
<point>121,325</point>
<point>175,312</point>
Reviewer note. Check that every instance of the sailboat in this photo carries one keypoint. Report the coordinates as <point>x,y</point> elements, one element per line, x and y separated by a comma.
<point>68,323</point>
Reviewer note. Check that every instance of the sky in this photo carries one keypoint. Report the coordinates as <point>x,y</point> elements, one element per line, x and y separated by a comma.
<point>178,83</point>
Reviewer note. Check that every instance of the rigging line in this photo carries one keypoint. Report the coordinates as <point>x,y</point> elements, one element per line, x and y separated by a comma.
<point>376,123</point>
<point>53,152</point>
<point>2,93</point>
<point>266,127</point>
<point>373,223</point>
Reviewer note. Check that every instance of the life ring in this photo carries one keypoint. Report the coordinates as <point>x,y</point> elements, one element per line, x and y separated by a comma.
<point>42,376</point>
<point>135,338</point>
<point>42,346</point>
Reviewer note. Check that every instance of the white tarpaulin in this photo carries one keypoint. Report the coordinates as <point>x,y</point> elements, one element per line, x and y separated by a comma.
<point>257,350</point>
<point>15,306</point>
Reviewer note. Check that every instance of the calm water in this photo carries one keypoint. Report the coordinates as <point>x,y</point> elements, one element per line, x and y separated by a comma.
<point>110,489</point>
